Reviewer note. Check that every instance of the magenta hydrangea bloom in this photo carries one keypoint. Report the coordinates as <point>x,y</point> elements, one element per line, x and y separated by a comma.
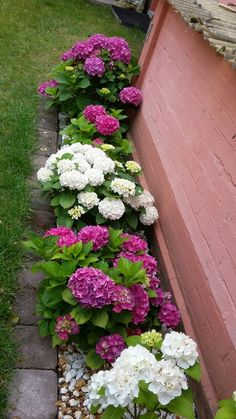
<point>131,95</point>
<point>123,299</point>
<point>119,49</point>
<point>92,288</point>
<point>97,234</point>
<point>68,55</point>
<point>82,50</point>
<point>97,141</point>
<point>66,236</point>
<point>110,347</point>
<point>169,314</point>
<point>66,326</point>
<point>106,124</point>
<point>149,262</point>
<point>92,111</point>
<point>134,244</point>
<point>94,66</point>
<point>42,88</point>
<point>98,41</point>
<point>154,285</point>
<point>141,308</point>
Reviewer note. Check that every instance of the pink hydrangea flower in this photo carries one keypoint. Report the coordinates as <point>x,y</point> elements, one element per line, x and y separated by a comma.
<point>42,88</point>
<point>123,299</point>
<point>119,49</point>
<point>110,347</point>
<point>169,315</point>
<point>134,244</point>
<point>98,40</point>
<point>92,288</point>
<point>97,234</point>
<point>149,262</point>
<point>131,95</point>
<point>66,236</point>
<point>66,326</point>
<point>68,55</point>
<point>97,141</point>
<point>106,124</point>
<point>82,50</point>
<point>92,111</point>
<point>94,66</point>
<point>141,308</point>
<point>154,285</point>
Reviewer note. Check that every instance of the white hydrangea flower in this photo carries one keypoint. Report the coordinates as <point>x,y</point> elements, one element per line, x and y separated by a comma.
<point>51,161</point>
<point>95,153</point>
<point>234,396</point>
<point>85,148</point>
<point>88,199</point>
<point>73,180</point>
<point>76,147</point>
<point>111,209</point>
<point>44,174</point>
<point>181,348</point>
<point>81,163</point>
<point>123,187</point>
<point>118,164</point>
<point>95,177</point>
<point>168,381</point>
<point>106,164</point>
<point>65,165</point>
<point>132,166</point>
<point>149,217</point>
<point>76,212</point>
<point>144,200</point>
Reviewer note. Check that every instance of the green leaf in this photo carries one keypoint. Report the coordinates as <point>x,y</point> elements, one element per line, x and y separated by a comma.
<point>227,402</point>
<point>49,104</point>
<point>68,297</point>
<point>81,102</point>
<point>94,409</point>
<point>124,317</point>
<point>183,405</point>
<point>52,296</point>
<point>84,83</point>
<point>132,220</point>
<point>194,371</point>
<point>226,412</point>
<point>65,220</point>
<point>100,219</point>
<point>44,327</point>
<point>113,412</point>
<point>146,397</point>
<point>151,293</point>
<point>65,96</point>
<point>56,340</point>
<point>93,360</point>
<point>55,201</point>
<point>81,315</point>
<point>133,340</point>
<point>100,319</point>
<point>149,416</point>
<point>67,199</point>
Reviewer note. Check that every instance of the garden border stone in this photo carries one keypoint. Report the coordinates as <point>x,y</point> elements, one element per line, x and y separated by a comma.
<point>33,391</point>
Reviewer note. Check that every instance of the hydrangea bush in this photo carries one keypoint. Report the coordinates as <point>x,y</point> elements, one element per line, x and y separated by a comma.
<point>96,70</point>
<point>95,293</point>
<point>147,378</point>
<point>87,186</point>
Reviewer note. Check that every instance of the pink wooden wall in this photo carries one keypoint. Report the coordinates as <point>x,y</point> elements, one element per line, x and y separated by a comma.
<point>185,136</point>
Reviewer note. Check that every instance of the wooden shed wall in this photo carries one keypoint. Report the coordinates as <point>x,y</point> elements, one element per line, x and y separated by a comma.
<point>185,137</point>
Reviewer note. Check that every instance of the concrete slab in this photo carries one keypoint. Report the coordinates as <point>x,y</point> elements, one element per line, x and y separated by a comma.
<point>34,352</point>
<point>33,394</point>
<point>30,279</point>
<point>38,202</point>
<point>47,142</point>
<point>24,306</point>
<point>42,220</point>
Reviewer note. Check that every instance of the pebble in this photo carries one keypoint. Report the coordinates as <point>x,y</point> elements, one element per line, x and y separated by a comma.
<point>76,393</point>
<point>79,374</point>
<point>73,402</point>
<point>65,398</point>
<point>84,389</point>
<point>86,376</point>
<point>68,417</point>
<point>63,390</point>
<point>78,415</point>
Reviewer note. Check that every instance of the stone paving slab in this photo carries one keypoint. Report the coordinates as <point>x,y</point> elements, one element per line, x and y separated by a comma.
<point>48,142</point>
<point>42,220</point>
<point>34,352</point>
<point>30,279</point>
<point>25,305</point>
<point>39,202</point>
<point>33,394</point>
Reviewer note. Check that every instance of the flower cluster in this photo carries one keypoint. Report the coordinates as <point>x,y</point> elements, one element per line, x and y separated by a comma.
<point>181,348</point>
<point>66,236</point>
<point>94,66</point>
<point>131,95</point>
<point>110,347</point>
<point>106,124</point>
<point>97,234</point>
<point>120,385</point>
<point>42,88</point>
<point>91,287</point>
<point>92,111</point>
<point>151,338</point>
<point>134,243</point>
<point>66,326</point>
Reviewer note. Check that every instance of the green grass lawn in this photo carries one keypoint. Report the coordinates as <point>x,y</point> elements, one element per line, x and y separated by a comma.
<point>33,33</point>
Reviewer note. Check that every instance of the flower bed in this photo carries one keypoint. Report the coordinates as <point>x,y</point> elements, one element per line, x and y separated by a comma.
<point>101,291</point>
